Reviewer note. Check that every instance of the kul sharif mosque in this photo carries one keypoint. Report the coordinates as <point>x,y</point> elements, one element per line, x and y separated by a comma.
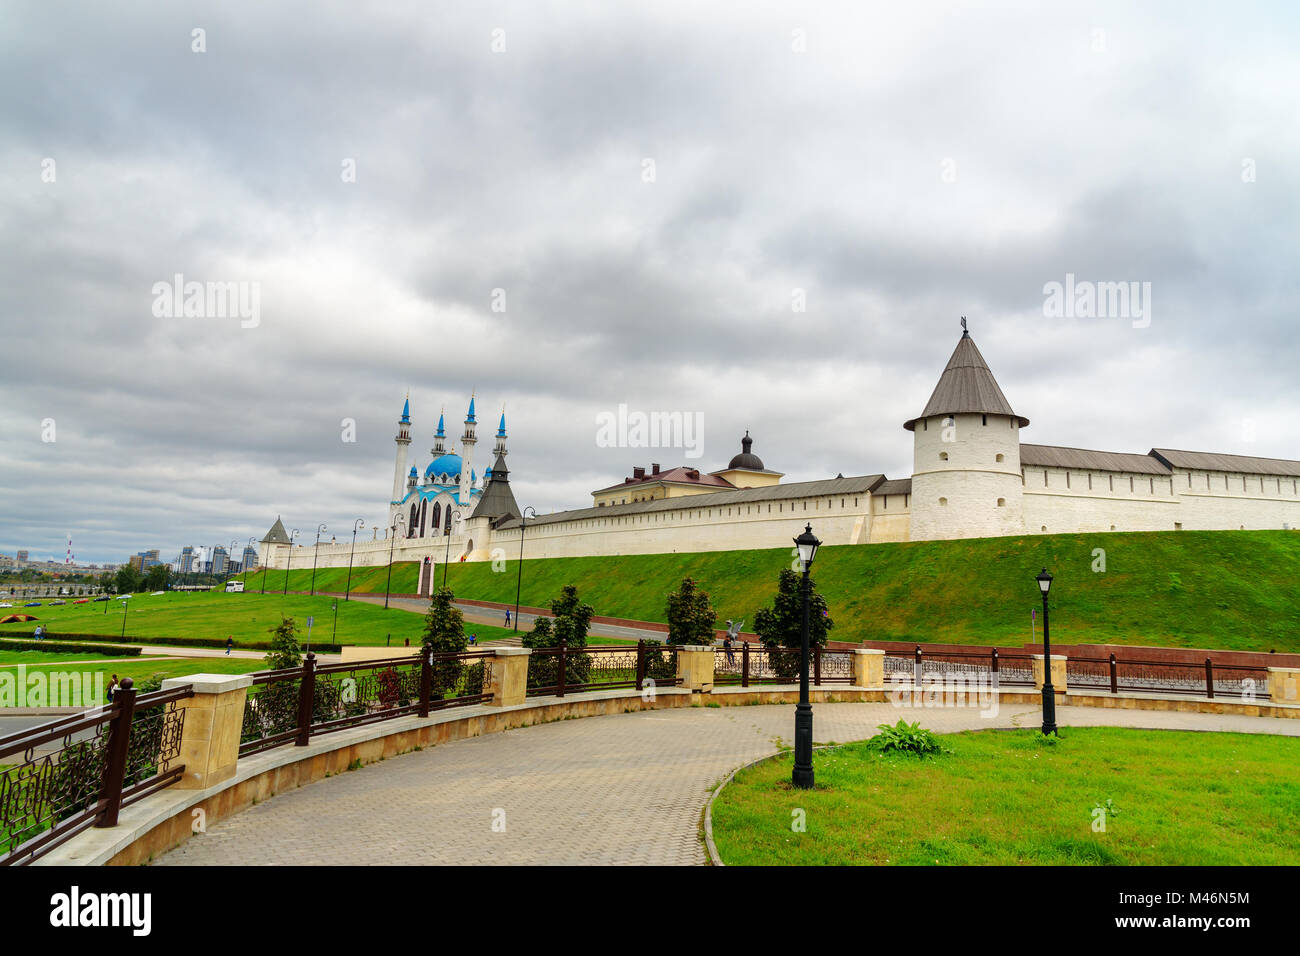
<point>450,492</point>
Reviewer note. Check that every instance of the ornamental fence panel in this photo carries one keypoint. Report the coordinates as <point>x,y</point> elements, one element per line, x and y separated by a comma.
<point>753,664</point>
<point>78,772</point>
<point>1207,679</point>
<point>560,670</point>
<point>990,665</point>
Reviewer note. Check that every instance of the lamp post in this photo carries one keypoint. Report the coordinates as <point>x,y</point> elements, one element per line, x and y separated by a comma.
<point>452,522</point>
<point>334,634</point>
<point>315,551</point>
<point>802,777</point>
<point>125,605</point>
<point>519,580</point>
<point>399,519</point>
<point>230,560</point>
<point>355,525</point>
<point>289,561</point>
<point>1049,694</point>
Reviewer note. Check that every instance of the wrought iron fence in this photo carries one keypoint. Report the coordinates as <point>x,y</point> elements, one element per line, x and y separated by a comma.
<point>753,664</point>
<point>79,771</point>
<point>564,670</point>
<point>297,703</point>
<point>990,665</point>
<point>1206,679</point>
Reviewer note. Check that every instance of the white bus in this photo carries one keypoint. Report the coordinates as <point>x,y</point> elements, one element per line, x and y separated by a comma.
<point>234,586</point>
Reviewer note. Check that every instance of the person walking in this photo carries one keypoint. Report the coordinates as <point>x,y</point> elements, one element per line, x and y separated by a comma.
<point>507,617</point>
<point>112,686</point>
<point>230,642</point>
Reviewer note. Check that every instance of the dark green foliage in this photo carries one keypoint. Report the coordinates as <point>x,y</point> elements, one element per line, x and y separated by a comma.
<point>781,625</point>
<point>569,626</point>
<point>285,651</point>
<point>444,633</point>
<point>690,615</point>
<point>906,738</point>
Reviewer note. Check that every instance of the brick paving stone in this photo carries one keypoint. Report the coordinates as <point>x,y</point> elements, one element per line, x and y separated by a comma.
<point>624,789</point>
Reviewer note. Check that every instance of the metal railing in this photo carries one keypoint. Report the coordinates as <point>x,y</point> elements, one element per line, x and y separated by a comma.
<point>298,703</point>
<point>755,664</point>
<point>992,665</point>
<point>564,670</point>
<point>1206,679</point>
<point>78,772</point>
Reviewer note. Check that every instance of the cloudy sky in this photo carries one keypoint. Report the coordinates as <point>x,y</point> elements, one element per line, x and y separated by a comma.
<point>654,187</point>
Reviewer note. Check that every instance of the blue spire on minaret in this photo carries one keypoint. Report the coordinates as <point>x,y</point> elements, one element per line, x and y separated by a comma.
<point>470,417</point>
<point>501,429</point>
<point>406,411</point>
<point>440,432</point>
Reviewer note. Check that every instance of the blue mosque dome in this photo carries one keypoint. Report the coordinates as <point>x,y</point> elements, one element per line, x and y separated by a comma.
<point>444,465</point>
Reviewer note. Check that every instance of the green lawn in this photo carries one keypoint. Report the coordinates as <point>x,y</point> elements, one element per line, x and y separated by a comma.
<point>1233,590</point>
<point>1003,797</point>
<point>180,616</point>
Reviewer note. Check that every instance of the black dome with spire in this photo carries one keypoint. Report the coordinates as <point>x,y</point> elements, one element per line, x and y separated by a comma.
<point>747,459</point>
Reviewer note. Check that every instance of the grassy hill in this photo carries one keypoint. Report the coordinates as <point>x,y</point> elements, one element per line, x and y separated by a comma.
<point>1233,590</point>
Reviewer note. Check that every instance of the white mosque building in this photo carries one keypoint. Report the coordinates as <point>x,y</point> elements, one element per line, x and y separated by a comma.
<point>972,477</point>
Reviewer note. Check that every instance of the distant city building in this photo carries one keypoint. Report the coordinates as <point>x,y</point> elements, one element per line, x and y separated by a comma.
<point>220,560</point>
<point>144,560</point>
<point>249,560</point>
<point>22,558</point>
<point>186,563</point>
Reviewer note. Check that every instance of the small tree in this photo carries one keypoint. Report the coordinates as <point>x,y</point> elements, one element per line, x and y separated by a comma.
<point>690,615</point>
<point>127,580</point>
<point>780,627</point>
<point>155,579</point>
<point>285,651</point>
<point>569,626</point>
<point>444,633</point>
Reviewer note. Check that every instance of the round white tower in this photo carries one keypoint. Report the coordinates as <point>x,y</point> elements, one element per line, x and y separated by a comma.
<point>467,442</point>
<point>966,479</point>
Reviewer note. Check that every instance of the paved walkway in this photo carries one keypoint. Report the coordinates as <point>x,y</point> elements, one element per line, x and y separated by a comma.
<point>622,789</point>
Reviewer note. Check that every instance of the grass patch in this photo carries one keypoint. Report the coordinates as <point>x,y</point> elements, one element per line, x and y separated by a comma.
<point>1002,797</point>
<point>1217,589</point>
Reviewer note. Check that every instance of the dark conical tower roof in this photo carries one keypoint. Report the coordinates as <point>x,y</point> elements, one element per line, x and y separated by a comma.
<point>966,385</point>
<point>498,501</point>
<point>277,534</point>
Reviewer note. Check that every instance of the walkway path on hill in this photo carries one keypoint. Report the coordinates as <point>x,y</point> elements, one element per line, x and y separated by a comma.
<point>483,615</point>
<point>622,789</point>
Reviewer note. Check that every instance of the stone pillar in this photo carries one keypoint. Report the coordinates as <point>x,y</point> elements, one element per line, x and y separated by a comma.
<point>695,667</point>
<point>1284,685</point>
<point>509,676</point>
<point>1058,672</point>
<point>214,719</point>
<point>868,667</point>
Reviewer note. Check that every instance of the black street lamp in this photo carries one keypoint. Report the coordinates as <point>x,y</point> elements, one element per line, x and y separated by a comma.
<point>230,560</point>
<point>802,777</point>
<point>248,571</point>
<point>334,634</point>
<point>355,525</point>
<point>266,569</point>
<point>519,579</point>
<point>315,551</point>
<point>399,519</point>
<point>1049,694</point>
<point>451,524</point>
<point>289,561</point>
<point>125,604</point>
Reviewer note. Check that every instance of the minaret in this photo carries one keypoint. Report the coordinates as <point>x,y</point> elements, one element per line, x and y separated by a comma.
<point>403,439</point>
<point>500,450</point>
<point>439,439</point>
<point>467,442</point>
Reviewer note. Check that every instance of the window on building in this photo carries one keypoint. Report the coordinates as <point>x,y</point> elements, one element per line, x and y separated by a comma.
<point>1067,479</point>
<point>984,419</point>
<point>1152,483</point>
<point>1044,528</point>
<point>999,458</point>
<point>1130,483</point>
<point>943,502</point>
<point>884,502</point>
<point>1044,477</point>
<point>905,497</point>
<point>1002,502</point>
<point>943,456</point>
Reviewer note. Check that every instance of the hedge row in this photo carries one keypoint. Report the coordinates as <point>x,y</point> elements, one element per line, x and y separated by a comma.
<point>68,647</point>
<point>323,648</point>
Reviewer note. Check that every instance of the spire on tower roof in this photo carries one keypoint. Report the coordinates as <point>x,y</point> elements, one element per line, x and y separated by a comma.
<point>501,429</point>
<point>966,385</point>
<point>440,431</point>
<point>470,416</point>
<point>406,410</point>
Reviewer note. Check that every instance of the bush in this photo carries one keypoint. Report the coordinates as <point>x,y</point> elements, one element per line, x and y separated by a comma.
<point>781,625</point>
<point>68,647</point>
<point>690,615</point>
<point>444,633</point>
<point>284,652</point>
<point>906,738</point>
